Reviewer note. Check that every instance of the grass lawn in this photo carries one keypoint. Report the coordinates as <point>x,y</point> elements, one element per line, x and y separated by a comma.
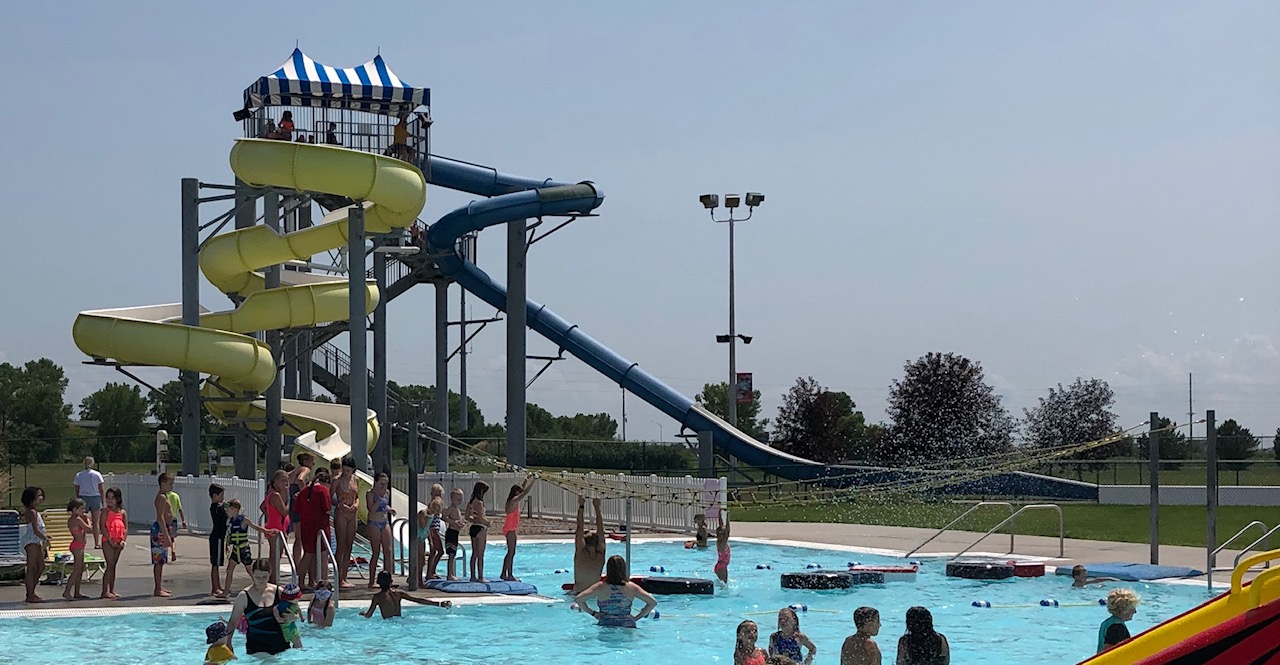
<point>56,481</point>
<point>1179,525</point>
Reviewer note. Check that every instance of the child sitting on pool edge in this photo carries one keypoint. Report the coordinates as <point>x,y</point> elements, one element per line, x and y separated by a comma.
<point>218,637</point>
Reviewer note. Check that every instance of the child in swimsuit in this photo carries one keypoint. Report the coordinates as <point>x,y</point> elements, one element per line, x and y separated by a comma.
<point>322,608</point>
<point>722,548</point>
<point>239,552</point>
<point>435,538</point>
<point>788,640</point>
<point>115,533</point>
<point>218,637</point>
<point>78,525</point>
<point>378,502</point>
<point>479,530</point>
<point>745,651</point>
<point>287,603</point>
<point>511,526</point>
<point>453,522</point>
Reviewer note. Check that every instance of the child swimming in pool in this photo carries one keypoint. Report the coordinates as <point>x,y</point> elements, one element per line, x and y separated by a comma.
<point>387,599</point>
<point>723,552</point>
<point>288,605</point>
<point>323,606</point>
<point>745,651</point>
<point>700,536</point>
<point>218,637</point>
<point>788,640</point>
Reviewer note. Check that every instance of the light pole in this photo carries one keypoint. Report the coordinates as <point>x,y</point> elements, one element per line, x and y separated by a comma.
<point>731,203</point>
<point>661,436</point>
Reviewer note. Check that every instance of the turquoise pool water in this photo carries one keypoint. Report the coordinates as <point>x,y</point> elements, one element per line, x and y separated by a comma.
<point>692,629</point>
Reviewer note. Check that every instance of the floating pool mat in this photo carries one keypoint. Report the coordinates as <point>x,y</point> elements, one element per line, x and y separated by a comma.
<point>1133,572</point>
<point>499,587</point>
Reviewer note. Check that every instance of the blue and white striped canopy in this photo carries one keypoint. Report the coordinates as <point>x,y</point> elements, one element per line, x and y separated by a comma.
<point>371,87</point>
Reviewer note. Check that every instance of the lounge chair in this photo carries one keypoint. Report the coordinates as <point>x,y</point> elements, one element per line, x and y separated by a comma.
<point>59,554</point>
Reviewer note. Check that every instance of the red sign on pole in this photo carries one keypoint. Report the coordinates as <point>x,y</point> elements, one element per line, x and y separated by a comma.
<point>742,390</point>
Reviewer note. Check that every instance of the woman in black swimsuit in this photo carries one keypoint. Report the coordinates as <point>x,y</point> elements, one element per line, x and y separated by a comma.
<point>254,605</point>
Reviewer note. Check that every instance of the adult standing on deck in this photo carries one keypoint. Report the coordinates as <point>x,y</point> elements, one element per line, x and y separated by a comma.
<point>88,485</point>
<point>299,478</point>
<point>314,504</point>
<point>346,493</point>
<point>588,549</point>
<point>255,604</point>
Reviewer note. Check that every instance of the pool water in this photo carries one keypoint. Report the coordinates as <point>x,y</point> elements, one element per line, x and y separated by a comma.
<point>692,629</point>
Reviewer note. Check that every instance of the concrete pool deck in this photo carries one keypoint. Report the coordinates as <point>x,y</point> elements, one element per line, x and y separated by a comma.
<point>188,578</point>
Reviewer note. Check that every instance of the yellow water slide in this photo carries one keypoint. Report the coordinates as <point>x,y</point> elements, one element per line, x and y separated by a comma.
<point>1158,644</point>
<point>393,193</point>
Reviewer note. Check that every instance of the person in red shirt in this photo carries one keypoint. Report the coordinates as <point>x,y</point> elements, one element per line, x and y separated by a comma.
<point>314,504</point>
<point>284,130</point>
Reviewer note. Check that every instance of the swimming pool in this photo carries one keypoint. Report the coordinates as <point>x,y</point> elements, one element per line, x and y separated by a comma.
<point>692,629</point>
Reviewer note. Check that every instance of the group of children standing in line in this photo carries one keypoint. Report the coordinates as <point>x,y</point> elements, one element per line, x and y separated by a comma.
<point>439,527</point>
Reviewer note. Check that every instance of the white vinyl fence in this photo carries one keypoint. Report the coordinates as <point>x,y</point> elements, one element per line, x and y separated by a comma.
<point>659,502</point>
<point>139,494</point>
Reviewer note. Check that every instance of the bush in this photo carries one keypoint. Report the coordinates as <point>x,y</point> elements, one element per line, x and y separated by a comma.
<point>609,455</point>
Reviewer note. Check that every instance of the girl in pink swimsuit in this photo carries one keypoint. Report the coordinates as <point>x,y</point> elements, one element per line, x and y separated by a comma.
<point>722,548</point>
<point>277,511</point>
<point>78,525</point>
<point>511,526</point>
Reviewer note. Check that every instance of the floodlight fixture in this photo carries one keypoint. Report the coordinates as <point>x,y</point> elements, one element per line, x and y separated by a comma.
<point>732,201</point>
<point>723,339</point>
<point>710,201</point>
<point>746,339</point>
<point>754,199</point>
<point>242,114</point>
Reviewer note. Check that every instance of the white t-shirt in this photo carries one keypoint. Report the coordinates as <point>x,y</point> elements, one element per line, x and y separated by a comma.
<point>87,482</point>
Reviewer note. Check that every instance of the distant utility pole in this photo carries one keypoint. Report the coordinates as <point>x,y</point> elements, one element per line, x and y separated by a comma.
<point>1191,412</point>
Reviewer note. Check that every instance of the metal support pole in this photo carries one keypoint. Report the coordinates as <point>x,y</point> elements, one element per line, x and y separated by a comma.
<point>190,317</point>
<point>378,398</point>
<point>1153,467</point>
<point>441,408</point>
<point>415,467</point>
<point>305,362</point>
<point>706,455</point>
<point>733,338</point>
<point>628,541</point>
<point>358,380</point>
<point>624,413</point>
<point>246,451</point>
<point>1211,487</point>
<point>517,318</point>
<point>271,217</point>
<point>463,405</point>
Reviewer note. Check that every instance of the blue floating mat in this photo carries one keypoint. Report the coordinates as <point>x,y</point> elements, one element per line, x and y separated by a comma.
<point>1133,572</point>
<point>499,587</point>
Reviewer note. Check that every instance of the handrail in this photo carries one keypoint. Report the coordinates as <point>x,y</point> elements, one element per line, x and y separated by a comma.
<point>1062,532</point>
<point>286,554</point>
<point>399,527</point>
<point>322,546</point>
<point>962,516</point>
<point>1246,550</point>
<point>1255,588</point>
<point>1266,543</point>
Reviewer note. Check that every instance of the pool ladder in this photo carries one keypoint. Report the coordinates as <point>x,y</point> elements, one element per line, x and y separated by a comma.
<point>1264,540</point>
<point>1013,515</point>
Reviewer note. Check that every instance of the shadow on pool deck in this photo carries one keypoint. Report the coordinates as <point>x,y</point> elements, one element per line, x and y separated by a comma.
<point>188,578</point>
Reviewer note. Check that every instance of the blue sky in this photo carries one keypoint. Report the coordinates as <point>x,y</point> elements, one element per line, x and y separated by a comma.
<point>1055,189</point>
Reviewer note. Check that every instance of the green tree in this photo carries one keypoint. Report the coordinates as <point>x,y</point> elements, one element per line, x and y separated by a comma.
<point>1235,443</point>
<point>817,423</point>
<point>943,409</point>
<point>164,405</point>
<point>715,398</point>
<point>541,424</point>
<point>1078,413</point>
<point>119,409</point>
<point>32,409</point>
<point>1173,443</point>
<point>477,428</point>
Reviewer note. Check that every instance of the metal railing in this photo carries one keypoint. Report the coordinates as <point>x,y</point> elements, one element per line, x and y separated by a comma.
<point>285,554</point>
<point>1062,531</point>
<point>1264,540</point>
<point>961,517</point>
<point>323,548</point>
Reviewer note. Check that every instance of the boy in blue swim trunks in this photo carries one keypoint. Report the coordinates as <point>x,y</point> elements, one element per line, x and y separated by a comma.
<point>161,539</point>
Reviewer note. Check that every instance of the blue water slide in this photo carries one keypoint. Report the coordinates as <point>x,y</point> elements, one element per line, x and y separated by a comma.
<point>514,198</point>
